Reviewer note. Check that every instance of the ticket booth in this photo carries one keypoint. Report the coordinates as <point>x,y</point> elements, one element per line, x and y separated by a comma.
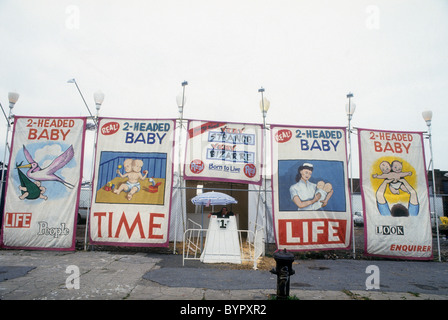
<point>222,242</point>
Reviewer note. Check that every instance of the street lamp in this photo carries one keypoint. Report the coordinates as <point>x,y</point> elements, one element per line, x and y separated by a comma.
<point>264,107</point>
<point>427,116</point>
<point>181,100</point>
<point>350,107</point>
<point>85,103</point>
<point>12,97</point>
<point>350,110</point>
<point>98,97</point>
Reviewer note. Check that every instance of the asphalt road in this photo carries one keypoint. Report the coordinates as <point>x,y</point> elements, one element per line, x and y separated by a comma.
<point>335,275</point>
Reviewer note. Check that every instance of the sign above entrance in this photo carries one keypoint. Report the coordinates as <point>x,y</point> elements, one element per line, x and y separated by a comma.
<point>223,151</point>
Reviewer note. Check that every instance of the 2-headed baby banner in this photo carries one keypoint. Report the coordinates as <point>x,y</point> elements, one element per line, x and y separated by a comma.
<point>223,151</point>
<point>311,200</point>
<point>43,183</point>
<point>395,194</point>
<point>132,186</point>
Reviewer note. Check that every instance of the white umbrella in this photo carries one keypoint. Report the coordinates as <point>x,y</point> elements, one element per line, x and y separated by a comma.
<point>213,198</point>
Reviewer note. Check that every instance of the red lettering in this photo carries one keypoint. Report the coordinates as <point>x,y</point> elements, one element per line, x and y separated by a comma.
<point>32,134</point>
<point>99,215</point>
<point>283,136</point>
<point>204,128</point>
<point>54,134</point>
<point>110,128</point>
<point>43,135</point>
<point>111,215</point>
<point>17,220</point>
<point>409,248</point>
<point>153,225</point>
<point>113,227</point>
<point>407,147</point>
<point>129,231</point>
<point>311,231</point>
<point>46,134</point>
<point>377,146</point>
<point>396,147</point>
<point>388,147</point>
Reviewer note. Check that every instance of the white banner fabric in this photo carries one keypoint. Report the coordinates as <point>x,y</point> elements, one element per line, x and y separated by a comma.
<point>394,189</point>
<point>132,187</point>
<point>311,199</point>
<point>43,183</point>
<point>223,151</point>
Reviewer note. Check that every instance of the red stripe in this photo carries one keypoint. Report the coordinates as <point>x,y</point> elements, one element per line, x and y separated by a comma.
<point>193,132</point>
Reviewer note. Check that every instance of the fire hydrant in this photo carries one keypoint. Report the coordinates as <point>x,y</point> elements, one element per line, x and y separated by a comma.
<point>283,270</point>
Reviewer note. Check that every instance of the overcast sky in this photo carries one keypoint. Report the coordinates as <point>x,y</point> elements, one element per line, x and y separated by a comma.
<point>393,56</point>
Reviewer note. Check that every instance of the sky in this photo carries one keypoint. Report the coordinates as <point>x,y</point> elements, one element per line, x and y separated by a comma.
<point>307,55</point>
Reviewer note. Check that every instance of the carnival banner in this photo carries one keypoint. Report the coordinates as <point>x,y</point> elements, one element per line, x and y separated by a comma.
<point>311,199</point>
<point>43,183</point>
<point>132,186</point>
<point>223,151</point>
<point>394,189</point>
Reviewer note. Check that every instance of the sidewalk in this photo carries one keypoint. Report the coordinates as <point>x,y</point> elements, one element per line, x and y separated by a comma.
<point>47,275</point>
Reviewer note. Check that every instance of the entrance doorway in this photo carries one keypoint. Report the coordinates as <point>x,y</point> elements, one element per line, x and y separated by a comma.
<point>238,191</point>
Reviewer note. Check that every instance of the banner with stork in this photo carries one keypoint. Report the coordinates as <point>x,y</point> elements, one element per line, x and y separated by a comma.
<point>43,183</point>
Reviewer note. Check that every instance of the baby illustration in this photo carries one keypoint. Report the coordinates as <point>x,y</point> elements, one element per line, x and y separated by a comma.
<point>26,193</point>
<point>393,171</point>
<point>132,169</point>
<point>324,190</point>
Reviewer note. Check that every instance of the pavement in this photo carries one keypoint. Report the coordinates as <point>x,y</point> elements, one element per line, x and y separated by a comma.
<point>107,275</point>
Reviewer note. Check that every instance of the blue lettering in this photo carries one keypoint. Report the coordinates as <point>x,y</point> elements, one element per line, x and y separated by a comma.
<point>324,145</point>
<point>304,144</point>
<point>151,138</point>
<point>316,145</point>
<point>335,145</point>
<point>161,137</point>
<point>140,138</point>
<point>141,126</point>
<point>129,137</point>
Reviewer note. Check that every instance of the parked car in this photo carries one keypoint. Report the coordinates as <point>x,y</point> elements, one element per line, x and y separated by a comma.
<point>443,226</point>
<point>82,215</point>
<point>358,218</point>
<point>84,203</point>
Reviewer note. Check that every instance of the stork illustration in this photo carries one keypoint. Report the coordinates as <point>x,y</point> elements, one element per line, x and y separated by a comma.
<point>48,174</point>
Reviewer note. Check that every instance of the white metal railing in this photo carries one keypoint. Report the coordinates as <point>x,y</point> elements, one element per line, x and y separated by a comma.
<point>258,242</point>
<point>191,242</point>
